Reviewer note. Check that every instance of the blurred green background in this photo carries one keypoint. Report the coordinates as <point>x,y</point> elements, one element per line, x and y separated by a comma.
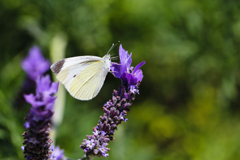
<point>188,107</point>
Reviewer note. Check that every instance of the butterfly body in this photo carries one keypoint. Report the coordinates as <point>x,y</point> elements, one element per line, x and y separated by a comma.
<point>82,76</point>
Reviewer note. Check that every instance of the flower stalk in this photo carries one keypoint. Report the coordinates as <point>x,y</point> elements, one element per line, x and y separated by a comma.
<point>36,139</point>
<point>37,143</point>
<point>115,110</point>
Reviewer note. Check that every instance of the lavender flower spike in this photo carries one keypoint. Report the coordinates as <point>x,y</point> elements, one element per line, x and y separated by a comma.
<point>35,64</point>
<point>115,109</point>
<point>36,139</point>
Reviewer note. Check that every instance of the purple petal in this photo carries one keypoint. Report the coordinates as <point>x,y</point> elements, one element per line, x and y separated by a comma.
<point>50,105</point>
<point>35,53</point>
<point>52,147</point>
<point>27,125</point>
<point>116,69</point>
<point>128,61</point>
<point>129,79</point>
<point>103,133</point>
<point>38,104</point>
<point>43,84</point>
<point>43,66</point>
<point>122,54</point>
<point>138,74</point>
<point>35,64</point>
<point>124,57</point>
<point>133,80</point>
<point>54,88</point>
<point>124,78</point>
<point>26,65</point>
<point>138,66</point>
<point>30,98</point>
<point>106,155</point>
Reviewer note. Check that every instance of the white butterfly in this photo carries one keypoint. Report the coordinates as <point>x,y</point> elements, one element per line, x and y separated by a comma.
<point>83,76</point>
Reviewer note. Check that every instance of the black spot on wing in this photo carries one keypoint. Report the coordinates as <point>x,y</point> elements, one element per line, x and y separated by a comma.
<point>74,76</point>
<point>56,68</point>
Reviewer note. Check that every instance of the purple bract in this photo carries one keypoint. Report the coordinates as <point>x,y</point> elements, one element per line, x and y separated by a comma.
<point>35,64</point>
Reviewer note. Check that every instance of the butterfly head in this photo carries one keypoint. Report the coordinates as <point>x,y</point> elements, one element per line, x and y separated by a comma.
<point>107,61</point>
<point>107,57</point>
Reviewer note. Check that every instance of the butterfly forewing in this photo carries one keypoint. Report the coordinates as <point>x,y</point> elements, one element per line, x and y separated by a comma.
<point>89,89</point>
<point>82,76</point>
<point>68,74</point>
<point>88,82</point>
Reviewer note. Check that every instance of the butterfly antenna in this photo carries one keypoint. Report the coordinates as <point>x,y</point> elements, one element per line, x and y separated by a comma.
<point>115,57</point>
<point>113,45</point>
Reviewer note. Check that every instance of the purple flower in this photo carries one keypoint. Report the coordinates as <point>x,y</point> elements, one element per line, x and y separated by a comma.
<point>134,90</point>
<point>103,133</point>
<point>27,125</point>
<point>115,109</point>
<point>103,150</point>
<point>106,155</point>
<point>95,133</point>
<point>125,63</point>
<point>44,91</point>
<point>35,64</point>
<point>90,143</point>
<point>122,117</point>
<point>130,76</point>
<point>57,153</point>
<point>33,140</point>
<point>36,138</point>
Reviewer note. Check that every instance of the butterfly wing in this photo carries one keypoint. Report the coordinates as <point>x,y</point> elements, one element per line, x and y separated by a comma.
<point>71,62</point>
<point>82,77</point>
<point>87,84</point>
